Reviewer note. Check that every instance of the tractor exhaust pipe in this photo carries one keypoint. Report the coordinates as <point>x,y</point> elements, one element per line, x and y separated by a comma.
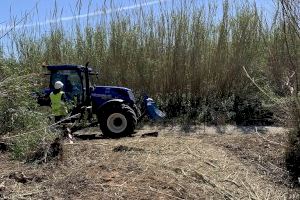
<point>87,83</point>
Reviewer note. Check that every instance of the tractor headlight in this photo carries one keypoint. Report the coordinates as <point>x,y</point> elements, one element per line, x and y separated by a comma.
<point>131,96</point>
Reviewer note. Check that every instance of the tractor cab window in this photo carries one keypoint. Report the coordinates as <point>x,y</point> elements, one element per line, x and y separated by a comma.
<point>72,83</point>
<point>93,79</point>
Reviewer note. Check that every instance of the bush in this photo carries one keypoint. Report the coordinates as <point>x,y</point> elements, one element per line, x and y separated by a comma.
<point>20,118</point>
<point>26,146</point>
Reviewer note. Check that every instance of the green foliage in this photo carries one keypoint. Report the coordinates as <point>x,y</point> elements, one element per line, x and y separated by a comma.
<point>15,120</point>
<point>26,145</point>
<point>20,117</point>
<point>17,107</point>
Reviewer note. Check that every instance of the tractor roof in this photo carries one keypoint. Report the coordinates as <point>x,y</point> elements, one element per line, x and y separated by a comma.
<point>66,67</point>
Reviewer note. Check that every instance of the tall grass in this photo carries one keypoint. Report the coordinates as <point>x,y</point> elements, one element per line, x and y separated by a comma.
<point>290,42</point>
<point>189,57</point>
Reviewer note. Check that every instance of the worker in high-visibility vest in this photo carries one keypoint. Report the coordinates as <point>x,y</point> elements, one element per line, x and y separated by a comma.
<point>58,104</point>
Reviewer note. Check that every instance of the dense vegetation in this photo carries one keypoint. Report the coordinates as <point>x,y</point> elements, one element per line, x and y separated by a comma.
<point>188,58</point>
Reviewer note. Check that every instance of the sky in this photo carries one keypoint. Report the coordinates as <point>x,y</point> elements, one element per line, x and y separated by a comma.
<point>40,10</point>
<point>33,13</point>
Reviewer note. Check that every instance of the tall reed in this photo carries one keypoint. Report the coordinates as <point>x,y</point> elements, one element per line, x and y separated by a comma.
<point>187,55</point>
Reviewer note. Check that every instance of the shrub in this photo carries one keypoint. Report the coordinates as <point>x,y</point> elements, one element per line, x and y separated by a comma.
<point>26,145</point>
<point>20,118</point>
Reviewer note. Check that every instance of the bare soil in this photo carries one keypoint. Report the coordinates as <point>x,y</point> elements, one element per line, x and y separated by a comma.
<point>194,163</point>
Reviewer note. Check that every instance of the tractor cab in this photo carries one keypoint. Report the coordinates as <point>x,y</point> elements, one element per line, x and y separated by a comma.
<point>74,80</point>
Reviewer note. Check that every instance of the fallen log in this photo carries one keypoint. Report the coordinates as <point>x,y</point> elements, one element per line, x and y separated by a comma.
<point>152,134</point>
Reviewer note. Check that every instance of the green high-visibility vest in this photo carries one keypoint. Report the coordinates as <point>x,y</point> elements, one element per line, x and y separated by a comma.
<point>58,106</point>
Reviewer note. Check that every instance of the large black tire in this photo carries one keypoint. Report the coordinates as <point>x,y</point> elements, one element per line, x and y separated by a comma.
<point>117,121</point>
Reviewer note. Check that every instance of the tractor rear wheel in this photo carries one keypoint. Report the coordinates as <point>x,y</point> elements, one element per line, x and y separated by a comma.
<point>118,121</point>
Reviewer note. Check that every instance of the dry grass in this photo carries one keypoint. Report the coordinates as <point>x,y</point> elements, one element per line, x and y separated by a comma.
<point>171,166</point>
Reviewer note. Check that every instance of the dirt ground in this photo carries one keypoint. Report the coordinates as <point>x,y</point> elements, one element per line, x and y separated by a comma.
<point>194,163</point>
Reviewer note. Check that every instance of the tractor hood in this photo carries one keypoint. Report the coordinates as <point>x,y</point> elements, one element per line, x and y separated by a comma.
<point>114,90</point>
<point>111,88</point>
<point>103,93</point>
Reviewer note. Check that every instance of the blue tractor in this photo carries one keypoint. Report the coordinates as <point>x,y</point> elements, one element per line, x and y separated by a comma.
<point>115,107</point>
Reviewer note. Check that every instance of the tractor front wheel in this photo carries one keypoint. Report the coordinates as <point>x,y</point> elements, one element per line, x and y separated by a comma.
<point>118,121</point>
